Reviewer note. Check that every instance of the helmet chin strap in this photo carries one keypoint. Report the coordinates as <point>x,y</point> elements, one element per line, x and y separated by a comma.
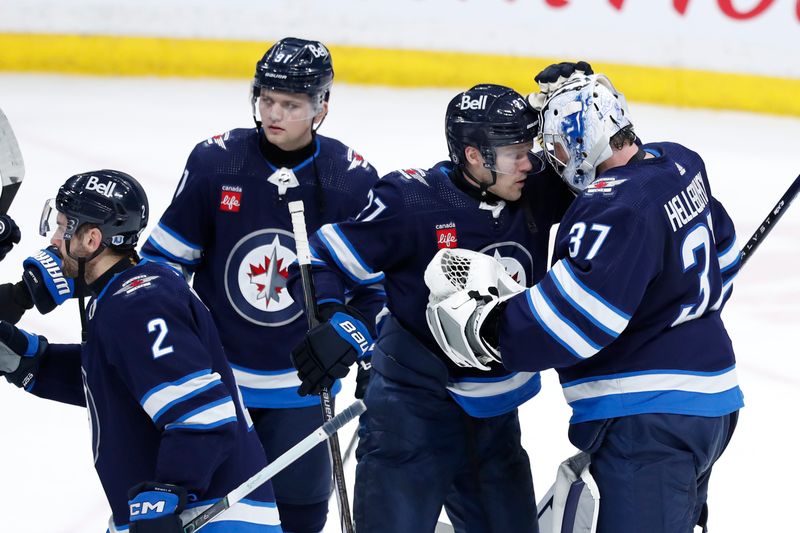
<point>81,287</point>
<point>482,185</point>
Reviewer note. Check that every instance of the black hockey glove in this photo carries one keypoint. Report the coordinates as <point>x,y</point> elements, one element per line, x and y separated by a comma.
<point>20,353</point>
<point>362,377</point>
<point>154,508</point>
<point>14,301</point>
<point>554,77</point>
<point>46,283</point>
<point>328,350</point>
<point>9,235</point>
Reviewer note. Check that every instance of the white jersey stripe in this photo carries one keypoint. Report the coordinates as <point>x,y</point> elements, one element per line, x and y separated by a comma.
<point>345,255</point>
<point>563,331</point>
<point>160,399</point>
<point>484,388</point>
<point>706,383</point>
<point>168,241</point>
<point>590,305</point>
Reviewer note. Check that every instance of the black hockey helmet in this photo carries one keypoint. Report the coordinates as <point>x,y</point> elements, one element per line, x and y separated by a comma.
<point>109,199</point>
<point>295,65</point>
<point>488,116</point>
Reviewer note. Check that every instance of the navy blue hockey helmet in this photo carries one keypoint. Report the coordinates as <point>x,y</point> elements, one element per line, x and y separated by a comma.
<point>295,65</point>
<point>109,199</point>
<point>488,116</point>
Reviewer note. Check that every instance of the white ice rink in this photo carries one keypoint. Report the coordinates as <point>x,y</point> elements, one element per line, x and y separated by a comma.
<point>147,127</point>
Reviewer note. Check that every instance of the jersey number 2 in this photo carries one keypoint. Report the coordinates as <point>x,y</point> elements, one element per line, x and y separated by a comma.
<point>160,326</point>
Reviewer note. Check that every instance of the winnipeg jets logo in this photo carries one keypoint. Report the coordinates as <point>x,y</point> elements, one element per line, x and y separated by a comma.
<point>517,261</point>
<point>135,283</point>
<point>414,174</point>
<point>256,276</point>
<point>356,160</point>
<point>219,140</point>
<point>604,186</point>
<point>269,276</point>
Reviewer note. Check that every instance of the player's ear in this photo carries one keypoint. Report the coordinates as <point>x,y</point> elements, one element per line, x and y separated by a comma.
<point>319,117</point>
<point>93,239</point>
<point>473,156</point>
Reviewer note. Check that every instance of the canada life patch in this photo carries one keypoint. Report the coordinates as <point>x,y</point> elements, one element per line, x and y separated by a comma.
<point>231,199</point>
<point>446,236</point>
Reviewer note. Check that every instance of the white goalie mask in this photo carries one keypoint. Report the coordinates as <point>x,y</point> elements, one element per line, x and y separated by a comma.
<point>578,122</point>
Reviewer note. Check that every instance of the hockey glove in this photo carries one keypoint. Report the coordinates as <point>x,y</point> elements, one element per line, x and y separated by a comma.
<point>14,301</point>
<point>9,235</point>
<point>467,290</point>
<point>19,355</point>
<point>46,282</point>
<point>554,77</point>
<point>328,350</point>
<point>362,376</point>
<point>154,508</point>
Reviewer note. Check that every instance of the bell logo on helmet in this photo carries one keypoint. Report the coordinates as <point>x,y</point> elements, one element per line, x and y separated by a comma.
<point>468,102</point>
<point>318,51</point>
<point>105,188</point>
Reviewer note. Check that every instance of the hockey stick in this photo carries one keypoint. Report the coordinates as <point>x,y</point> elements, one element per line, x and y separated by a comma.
<point>12,167</point>
<point>297,212</point>
<point>326,431</point>
<point>772,218</point>
<point>351,446</point>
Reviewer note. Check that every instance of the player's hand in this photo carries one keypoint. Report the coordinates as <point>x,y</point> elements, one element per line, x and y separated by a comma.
<point>554,77</point>
<point>9,235</point>
<point>20,352</point>
<point>362,376</point>
<point>154,508</point>
<point>328,350</point>
<point>14,301</point>
<point>46,283</point>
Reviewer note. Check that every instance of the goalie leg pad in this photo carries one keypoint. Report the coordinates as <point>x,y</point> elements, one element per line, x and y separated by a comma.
<point>572,504</point>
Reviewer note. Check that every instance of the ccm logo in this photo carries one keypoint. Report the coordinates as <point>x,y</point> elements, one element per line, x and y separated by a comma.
<point>106,189</point>
<point>473,103</point>
<point>356,335</point>
<point>147,507</point>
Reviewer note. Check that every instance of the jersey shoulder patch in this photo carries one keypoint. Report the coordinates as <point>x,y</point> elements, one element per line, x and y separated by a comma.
<point>414,174</point>
<point>606,186</point>
<point>219,140</point>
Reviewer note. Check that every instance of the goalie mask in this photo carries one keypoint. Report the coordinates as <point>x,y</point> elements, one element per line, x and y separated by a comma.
<point>578,122</point>
<point>295,68</point>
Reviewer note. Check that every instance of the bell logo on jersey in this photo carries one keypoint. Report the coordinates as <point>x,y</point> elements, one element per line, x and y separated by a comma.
<point>105,188</point>
<point>473,103</point>
<point>231,199</point>
<point>446,236</point>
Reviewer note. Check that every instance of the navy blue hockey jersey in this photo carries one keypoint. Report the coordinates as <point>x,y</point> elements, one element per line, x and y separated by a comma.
<point>229,225</point>
<point>410,216</point>
<point>162,400</point>
<point>629,314</point>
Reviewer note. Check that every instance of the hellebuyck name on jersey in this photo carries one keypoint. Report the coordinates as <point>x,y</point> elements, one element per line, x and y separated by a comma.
<point>629,312</point>
<point>229,227</point>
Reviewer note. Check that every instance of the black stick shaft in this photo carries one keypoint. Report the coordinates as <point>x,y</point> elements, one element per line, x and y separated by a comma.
<point>772,218</point>
<point>304,260</point>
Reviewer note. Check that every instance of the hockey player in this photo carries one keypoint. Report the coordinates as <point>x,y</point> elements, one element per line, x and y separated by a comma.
<point>156,380</point>
<point>629,314</point>
<point>437,434</point>
<point>229,226</point>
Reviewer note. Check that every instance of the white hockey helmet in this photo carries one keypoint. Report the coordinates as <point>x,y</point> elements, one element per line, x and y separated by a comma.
<point>578,121</point>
